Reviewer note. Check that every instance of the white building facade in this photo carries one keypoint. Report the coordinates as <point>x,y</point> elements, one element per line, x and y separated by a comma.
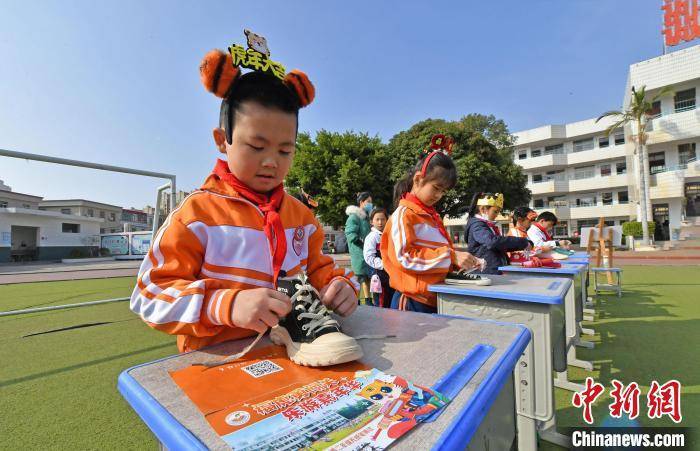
<point>580,174</point>
<point>28,233</point>
<point>110,215</point>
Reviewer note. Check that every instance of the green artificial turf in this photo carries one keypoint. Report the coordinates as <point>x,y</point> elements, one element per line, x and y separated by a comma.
<point>58,390</point>
<point>651,333</point>
<point>60,387</point>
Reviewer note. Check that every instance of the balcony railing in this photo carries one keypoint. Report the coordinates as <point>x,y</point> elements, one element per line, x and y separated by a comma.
<point>678,167</point>
<point>684,105</point>
<point>550,179</point>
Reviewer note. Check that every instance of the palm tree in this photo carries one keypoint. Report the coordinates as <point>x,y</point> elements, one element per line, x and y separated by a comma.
<point>637,114</point>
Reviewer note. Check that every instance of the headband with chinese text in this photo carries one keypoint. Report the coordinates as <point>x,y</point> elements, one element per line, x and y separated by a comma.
<point>219,70</point>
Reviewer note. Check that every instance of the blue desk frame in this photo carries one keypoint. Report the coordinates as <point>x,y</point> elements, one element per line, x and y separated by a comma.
<point>175,436</point>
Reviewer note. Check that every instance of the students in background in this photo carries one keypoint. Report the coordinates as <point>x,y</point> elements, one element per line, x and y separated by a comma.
<point>379,283</point>
<point>484,236</point>
<point>540,232</point>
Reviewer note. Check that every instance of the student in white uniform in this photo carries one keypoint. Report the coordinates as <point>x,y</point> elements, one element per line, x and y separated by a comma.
<point>540,233</point>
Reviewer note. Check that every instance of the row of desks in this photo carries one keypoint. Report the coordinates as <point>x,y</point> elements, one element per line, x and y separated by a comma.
<point>509,337</point>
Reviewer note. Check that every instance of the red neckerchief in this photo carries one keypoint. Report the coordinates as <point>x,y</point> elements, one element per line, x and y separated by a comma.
<point>522,233</point>
<point>547,236</point>
<point>492,225</point>
<point>431,211</point>
<point>270,206</point>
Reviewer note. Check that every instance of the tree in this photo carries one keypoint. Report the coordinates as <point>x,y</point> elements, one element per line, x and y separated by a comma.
<point>636,114</point>
<point>482,153</point>
<point>334,167</point>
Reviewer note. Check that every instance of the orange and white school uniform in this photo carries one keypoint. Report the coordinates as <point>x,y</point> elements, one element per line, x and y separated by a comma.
<point>417,252</point>
<point>517,232</point>
<point>217,243</point>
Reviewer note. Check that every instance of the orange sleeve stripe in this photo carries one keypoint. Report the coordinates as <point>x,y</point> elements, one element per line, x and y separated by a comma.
<point>243,272</point>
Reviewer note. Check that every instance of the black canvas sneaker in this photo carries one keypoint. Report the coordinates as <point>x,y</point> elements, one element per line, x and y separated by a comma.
<point>311,336</point>
<point>463,277</point>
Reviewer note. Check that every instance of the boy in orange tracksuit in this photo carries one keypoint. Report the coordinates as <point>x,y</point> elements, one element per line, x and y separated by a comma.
<point>212,270</point>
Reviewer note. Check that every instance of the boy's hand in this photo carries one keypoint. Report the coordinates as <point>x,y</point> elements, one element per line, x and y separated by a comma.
<point>465,260</point>
<point>545,248</point>
<point>259,308</point>
<point>339,297</point>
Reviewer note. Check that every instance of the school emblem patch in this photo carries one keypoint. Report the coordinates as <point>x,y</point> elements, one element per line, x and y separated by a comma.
<point>298,240</point>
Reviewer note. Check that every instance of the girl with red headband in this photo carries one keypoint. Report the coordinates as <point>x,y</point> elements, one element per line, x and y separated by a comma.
<point>416,249</point>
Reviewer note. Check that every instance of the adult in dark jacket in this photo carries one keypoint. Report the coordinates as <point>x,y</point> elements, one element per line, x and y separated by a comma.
<point>484,237</point>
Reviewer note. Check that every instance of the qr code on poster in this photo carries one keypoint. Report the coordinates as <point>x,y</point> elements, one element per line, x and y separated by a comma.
<point>262,368</point>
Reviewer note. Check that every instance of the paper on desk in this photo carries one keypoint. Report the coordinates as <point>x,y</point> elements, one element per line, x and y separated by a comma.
<point>267,402</point>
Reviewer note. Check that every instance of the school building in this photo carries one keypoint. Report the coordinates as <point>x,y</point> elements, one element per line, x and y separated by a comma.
<point>30,232</point>
<point>32,228</point>
<point>580,174</point>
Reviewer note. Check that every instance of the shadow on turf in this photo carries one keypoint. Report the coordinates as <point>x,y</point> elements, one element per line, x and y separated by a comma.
<point>641,351</point>
<point>77,326</point>
<point>632,304</point>
<point>53,372</point>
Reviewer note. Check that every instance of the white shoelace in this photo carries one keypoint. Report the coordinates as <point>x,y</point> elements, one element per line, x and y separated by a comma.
<point>311,308</point>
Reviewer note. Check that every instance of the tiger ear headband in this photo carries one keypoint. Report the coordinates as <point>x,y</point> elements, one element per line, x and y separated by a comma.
<point>219,70</point>
<point>438,144</point>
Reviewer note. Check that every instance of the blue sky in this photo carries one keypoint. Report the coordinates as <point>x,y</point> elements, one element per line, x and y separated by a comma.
<point>118,82</point>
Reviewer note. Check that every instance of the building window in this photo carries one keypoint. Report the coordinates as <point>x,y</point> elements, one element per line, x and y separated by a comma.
<point>604,142</point>
<point>619,137</point>
<point>593,223</point>
<point>102,214</point>
<point>3,204</point>
<point>686,154</point>
<point>536,153</point>
<point>554,149</point>
<point>657,162</point>
<point>555,175</point>
<point>605,170</point>
<point>557,201</point>
<point>538,203</point>
<point>589,201</point>
<point>585,172</point>
<point>684,100</point>
<point>522,155</point>
<point>621,168</point>
<point>607,198</point>
<point>103,230</point>
<point>91,212</point>
<point>65,211</point>
<point>655,110</point>
<point>561,229</point>
<point>26,206</point>
<point>536,178</point>
<point>623,197</point>
<point>70,228</point>
<point>583,144</point>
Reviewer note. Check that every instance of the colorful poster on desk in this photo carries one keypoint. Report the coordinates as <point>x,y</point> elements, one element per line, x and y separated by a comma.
<point>265,401</point>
